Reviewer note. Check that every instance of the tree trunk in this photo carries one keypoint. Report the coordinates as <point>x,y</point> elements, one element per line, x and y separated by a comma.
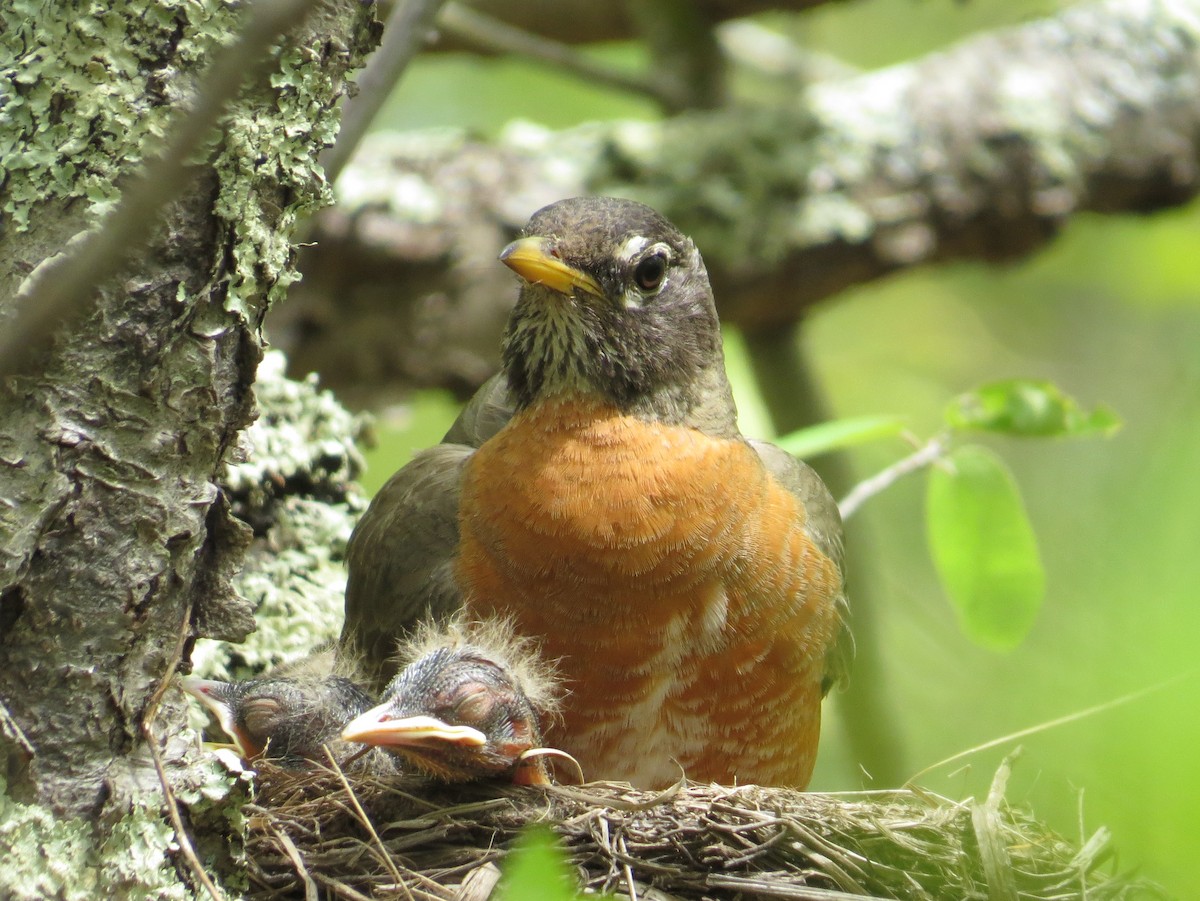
<point>116,546</point>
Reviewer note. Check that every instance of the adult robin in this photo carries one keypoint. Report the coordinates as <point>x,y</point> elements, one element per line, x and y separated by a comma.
<point>598,492</point>
<point>467,706</point>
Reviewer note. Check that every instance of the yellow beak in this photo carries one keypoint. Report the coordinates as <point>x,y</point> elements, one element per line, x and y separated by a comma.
<point>375,727</point>
<point>532,259</point>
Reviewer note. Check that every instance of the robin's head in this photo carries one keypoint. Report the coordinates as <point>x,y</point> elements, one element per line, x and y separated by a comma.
<point>281,717</point>
<point>455,715</point>
<point>466,704</point>
<point>614,303</point>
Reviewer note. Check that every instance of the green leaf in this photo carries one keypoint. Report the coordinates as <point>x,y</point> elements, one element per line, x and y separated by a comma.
<point>829,436</point>
<point>536,868</point>
<point>984,548</point>
<point>1027,407</point>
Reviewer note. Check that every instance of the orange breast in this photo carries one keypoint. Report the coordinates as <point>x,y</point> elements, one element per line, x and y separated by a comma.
<point>673,579</point>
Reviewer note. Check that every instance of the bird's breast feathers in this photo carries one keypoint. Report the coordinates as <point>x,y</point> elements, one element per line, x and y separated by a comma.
<point>665,565</point>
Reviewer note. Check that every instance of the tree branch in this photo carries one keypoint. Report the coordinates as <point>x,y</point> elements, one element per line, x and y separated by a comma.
<point>483,33</point>
<point>926,455</point>
<point>983,151</point>
<point>586,21</point>
<point>114,538</point>
<point>408,27</point>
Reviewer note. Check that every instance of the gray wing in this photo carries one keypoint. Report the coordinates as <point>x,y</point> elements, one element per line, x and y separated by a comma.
<point>485,414</point>
<point>401,555</point>
<point>824,526</point>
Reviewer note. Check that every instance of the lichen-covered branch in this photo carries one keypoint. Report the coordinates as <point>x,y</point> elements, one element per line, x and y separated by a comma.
<point>983,151</point>
<point>61,286</point>
<point>115,539</point>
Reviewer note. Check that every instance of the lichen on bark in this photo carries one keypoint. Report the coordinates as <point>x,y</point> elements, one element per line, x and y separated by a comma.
<point>296,487</point>
<point>117,547</point>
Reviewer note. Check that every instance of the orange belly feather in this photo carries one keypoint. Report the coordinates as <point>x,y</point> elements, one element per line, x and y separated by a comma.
<point>672,578</point>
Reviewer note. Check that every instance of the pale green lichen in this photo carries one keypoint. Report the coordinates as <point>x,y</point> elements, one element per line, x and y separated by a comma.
<point>43,856</point>
<point>101,71</point>
<point>295,486</point>
<point>266,147</point>
<point>106,73</point>
<point>302,434</point>
<point>219,825</point>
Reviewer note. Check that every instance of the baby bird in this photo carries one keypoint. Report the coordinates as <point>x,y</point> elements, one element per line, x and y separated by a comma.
<point>287,718</point>
<point>466,707</point>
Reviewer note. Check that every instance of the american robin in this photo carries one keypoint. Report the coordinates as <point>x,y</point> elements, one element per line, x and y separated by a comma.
<point>288,718</point>
<point>598,492</point>
<point>466,707</point>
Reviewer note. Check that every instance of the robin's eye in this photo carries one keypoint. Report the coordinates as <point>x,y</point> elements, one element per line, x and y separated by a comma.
<point>473,704</point>
<point>650,272</point>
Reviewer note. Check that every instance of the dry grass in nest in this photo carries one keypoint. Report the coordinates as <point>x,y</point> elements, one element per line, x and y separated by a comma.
<point>325,835</point>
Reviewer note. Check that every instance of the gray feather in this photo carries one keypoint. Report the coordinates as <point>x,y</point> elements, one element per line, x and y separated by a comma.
<point>401,557</point>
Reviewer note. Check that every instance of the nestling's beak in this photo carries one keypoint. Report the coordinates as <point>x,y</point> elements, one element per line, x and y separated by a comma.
<point>535,261</point>
<point>376,727</point>
<point>213,695</point>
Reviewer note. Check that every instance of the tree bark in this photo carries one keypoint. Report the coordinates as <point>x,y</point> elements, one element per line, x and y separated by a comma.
<point>116,546</point>
<point>983,151</point>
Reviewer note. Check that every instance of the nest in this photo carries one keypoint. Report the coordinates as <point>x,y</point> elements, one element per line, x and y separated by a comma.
<point>330,835</point>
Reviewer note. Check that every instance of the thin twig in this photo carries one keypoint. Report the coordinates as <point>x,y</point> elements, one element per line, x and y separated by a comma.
<point>149,715</point>
<point>489,34</point>
<point>14,734</point>
<point>926,455</point>
<point>297,859</point>
<point>404,36</point>
<point>765,888</point>
<point>59,289</point>
<point>367,824</point>
<point>341,888</point>
<point>987,825</point>
<point>185,843</point>
<point>627,869</point>
<point>1083,839</point>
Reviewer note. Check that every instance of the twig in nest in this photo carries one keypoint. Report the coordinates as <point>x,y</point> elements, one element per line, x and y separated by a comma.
<point>366,821</point>
<point>293,853</point>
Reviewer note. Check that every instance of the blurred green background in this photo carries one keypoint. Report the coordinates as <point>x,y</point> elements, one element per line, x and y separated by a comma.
<point>1111,312</point>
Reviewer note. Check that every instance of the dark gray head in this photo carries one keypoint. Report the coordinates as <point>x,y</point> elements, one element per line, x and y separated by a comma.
<point>615,303</point>
<point>286,718</point>
<point>455,714</point>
